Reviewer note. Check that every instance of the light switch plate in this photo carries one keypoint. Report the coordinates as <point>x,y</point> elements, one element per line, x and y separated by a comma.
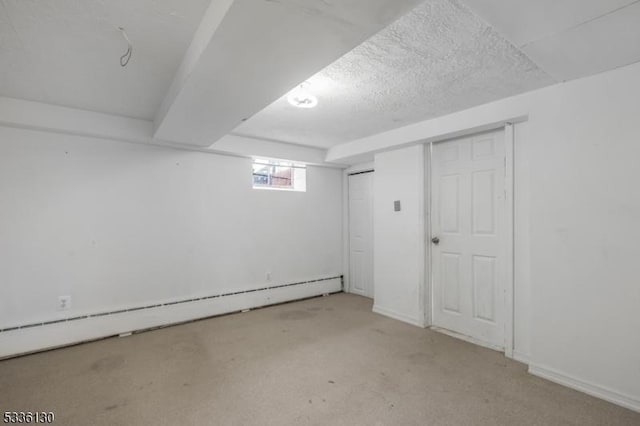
<point>396,206</point>
<point>64,303</point>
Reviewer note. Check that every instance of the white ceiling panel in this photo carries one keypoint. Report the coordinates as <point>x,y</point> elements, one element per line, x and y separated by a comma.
<point>524,21</point>
<point>66,52</point>
<point>602,44</point>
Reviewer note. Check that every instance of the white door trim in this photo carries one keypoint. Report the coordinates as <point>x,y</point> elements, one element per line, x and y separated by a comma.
<point>428,278</point>
<point>508,240</point>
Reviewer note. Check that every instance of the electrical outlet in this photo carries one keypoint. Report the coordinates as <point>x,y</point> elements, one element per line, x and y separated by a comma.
<point>64,303</point>
<point>269,276</point>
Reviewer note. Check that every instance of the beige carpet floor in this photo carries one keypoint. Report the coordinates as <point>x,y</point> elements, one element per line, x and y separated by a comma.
<point>323,361</point>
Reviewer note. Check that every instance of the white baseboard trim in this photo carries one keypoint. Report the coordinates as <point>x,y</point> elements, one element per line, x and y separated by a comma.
<point>398,316</point>
<point>467,338</point>
<point>597,391</point>
<point>49,336</point>
<point>521,357</point>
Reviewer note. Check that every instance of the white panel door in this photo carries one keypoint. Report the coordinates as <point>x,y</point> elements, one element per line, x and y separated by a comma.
<point>361,234</point>
<point>468,225</point>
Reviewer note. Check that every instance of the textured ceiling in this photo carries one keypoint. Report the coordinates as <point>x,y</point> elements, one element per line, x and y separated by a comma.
<point>66,52</point>
<point>437,59</point>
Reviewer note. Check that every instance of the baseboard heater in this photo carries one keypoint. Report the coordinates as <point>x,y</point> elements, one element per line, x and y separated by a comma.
<point>32,337</point>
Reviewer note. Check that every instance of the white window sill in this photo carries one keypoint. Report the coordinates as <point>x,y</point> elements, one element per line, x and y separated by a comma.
<point>270,188</point>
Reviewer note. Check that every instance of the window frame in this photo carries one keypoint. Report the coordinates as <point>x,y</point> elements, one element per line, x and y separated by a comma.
<point>273,165</point>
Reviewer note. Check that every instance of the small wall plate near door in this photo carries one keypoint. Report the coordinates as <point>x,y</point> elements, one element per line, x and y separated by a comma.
<point>64,303</point>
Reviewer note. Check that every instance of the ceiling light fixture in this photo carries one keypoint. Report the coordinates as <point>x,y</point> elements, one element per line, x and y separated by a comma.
<point>301,97</point>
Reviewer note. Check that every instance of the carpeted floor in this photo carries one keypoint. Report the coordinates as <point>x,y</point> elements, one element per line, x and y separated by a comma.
<point>324,361</point>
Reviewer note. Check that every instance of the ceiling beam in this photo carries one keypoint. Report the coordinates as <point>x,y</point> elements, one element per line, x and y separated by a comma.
<point>210,22</point>
<point>37,116</point>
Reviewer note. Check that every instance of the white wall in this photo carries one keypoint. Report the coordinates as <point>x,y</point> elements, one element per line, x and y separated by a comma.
<point>584,141</point>
<point>577,180</point>
<point>117,225</point>
<point>399,236</point>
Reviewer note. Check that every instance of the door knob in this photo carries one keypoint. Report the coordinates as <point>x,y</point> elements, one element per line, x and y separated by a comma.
<point>435,240</point>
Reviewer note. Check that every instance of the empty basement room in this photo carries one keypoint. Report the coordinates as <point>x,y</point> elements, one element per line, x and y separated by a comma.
<point>302,212</point>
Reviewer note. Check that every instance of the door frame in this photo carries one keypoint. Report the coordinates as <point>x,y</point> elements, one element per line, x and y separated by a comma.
<point>507,240</point>
<point>346,246</point>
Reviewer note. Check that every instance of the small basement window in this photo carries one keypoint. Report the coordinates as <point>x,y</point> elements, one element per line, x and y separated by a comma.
<point>282,175</point>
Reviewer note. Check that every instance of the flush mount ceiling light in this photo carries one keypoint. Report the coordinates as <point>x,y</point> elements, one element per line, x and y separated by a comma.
<point>301,97</point>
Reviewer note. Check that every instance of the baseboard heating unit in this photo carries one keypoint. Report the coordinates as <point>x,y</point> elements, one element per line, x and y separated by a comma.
<point>36,336</point>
